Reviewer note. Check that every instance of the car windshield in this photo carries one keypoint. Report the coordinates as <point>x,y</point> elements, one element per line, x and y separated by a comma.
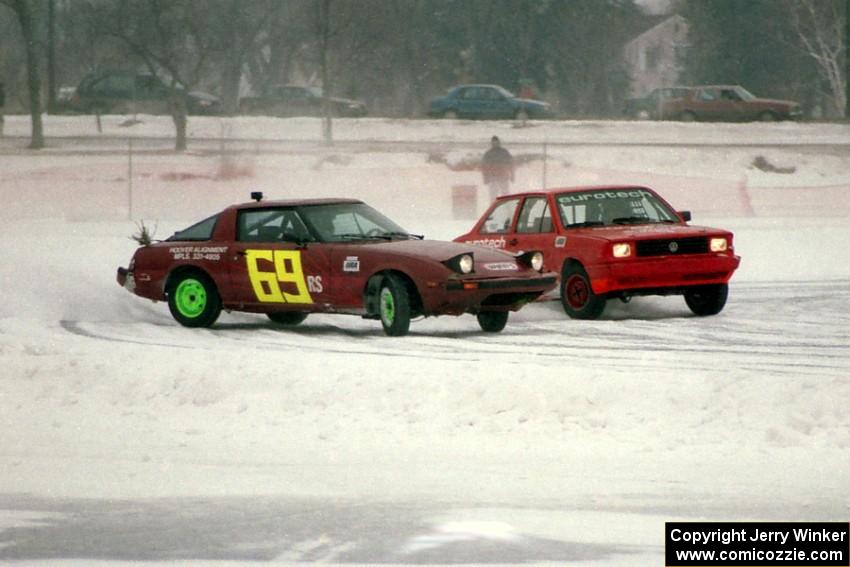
<point>609,207</point>
<point>744,93</point>
<point>346,222</point>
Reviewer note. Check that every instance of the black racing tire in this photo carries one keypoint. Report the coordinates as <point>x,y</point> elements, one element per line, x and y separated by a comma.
<point>394,306</point>
<point>451,115</point>
<point>688,116</point>
<point>492,321</point>
<point>193,299</point>
<point>521,115</point>
<point>577,295</point>
<point>707,299</point>
<point>288,318</point>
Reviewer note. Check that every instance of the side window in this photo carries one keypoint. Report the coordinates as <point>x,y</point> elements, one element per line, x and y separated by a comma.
<point>500,219</point>
<point>534,216</point>
<point>707,95</point>
<point>198,231</point>
<point>271,225</point>
<point>472,93</point>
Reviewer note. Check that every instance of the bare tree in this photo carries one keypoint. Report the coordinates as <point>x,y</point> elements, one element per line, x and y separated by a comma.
<point>323,36</point>
<point>244,24</point>
<point>819,25</point>
<point>172,38</point>
<point>24,12</point>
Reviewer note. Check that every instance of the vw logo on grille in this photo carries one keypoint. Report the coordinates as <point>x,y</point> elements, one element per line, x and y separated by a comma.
<point>674,246</point>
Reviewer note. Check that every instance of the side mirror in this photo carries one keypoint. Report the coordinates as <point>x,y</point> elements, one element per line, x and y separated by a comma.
<point>685,215</point>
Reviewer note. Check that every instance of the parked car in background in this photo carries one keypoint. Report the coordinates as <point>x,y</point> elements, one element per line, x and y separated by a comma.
<point>726,103</point>
<point>487,101</point>
<point>288,259</point>
<point>294,100</point>
<point>613,242</point>
<point>123,92</point>
<point>651,105</point>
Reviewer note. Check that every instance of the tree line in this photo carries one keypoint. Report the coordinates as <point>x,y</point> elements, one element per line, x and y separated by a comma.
<point>397,54</point>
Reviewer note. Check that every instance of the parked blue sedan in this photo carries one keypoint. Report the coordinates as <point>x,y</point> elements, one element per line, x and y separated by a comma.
<point>486,101</point>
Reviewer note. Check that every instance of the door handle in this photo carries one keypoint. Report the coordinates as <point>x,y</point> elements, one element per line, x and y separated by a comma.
<point>513,242</point>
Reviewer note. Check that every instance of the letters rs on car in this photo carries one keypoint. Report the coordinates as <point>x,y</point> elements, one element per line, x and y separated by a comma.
<point>288,259</point>
<point>613,243</point>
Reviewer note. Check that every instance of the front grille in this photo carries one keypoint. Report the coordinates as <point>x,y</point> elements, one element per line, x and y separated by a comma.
<point>672,246</point>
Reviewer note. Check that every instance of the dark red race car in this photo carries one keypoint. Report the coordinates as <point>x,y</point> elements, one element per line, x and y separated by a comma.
<point>291,258</point>
<point>613,242</point>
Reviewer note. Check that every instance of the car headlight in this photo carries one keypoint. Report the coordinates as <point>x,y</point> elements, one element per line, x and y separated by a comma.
<point>537,261</point>
<point>718,245</point>
<point>462,263</point>
<point>532,259</point>
<point>622,250</point>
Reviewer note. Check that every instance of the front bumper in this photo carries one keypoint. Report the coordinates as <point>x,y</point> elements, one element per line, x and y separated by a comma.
<point>125,279</point>
<point>464,295</point>
<point>662,274</point>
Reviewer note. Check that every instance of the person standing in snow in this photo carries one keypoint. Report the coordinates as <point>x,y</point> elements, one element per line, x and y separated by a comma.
<point>497,168</point>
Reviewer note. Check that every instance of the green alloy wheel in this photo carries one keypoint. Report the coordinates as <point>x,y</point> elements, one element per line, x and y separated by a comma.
<point>394,306</point>
<point>193,300</point>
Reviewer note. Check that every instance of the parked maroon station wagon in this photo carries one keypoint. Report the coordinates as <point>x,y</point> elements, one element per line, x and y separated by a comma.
<point>725,103</point>
<point>288,259</point>
<point>613,242</point>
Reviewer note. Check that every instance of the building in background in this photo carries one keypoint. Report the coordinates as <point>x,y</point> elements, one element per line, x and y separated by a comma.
<point>654,58</point>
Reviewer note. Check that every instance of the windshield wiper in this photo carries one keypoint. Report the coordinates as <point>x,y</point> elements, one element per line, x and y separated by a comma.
<point>586,223</point>
<point>404,235</point>
<point>630,220</point>
<point>358,236</point>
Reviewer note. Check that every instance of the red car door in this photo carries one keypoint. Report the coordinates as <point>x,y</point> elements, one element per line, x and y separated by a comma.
<point>272,267</point>
<point>534,230</point>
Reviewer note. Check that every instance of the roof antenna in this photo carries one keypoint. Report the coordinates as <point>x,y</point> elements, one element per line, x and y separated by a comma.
<point>257,195</point>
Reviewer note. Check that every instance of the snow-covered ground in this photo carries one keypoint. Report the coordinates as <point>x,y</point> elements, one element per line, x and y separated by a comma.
<point>124,436</point>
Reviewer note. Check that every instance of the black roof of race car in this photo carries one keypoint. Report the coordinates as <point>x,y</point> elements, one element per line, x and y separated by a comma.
<point>293,203</point>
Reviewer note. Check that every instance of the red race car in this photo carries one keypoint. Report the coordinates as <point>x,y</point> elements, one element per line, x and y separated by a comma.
<point>291,258</point>
<point>613,242</point>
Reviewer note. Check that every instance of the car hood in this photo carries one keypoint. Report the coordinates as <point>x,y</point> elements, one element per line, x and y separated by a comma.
<point>651,231</point>
<point>532,102</point>
<point>499,261</point>
<point>338,100</point>
<point>774,102</point>
<point>203,96</point>
<point>441,250</point>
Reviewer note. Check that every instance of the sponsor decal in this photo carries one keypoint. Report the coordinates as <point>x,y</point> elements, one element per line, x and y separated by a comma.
<point>286,284</point>
<point>491,242</point>
<point>601,195</point>
<point>502,267</point>
<point>212,253</point>
<point>351,264</point>
<point>560,241</point>
<point>314,284</point>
